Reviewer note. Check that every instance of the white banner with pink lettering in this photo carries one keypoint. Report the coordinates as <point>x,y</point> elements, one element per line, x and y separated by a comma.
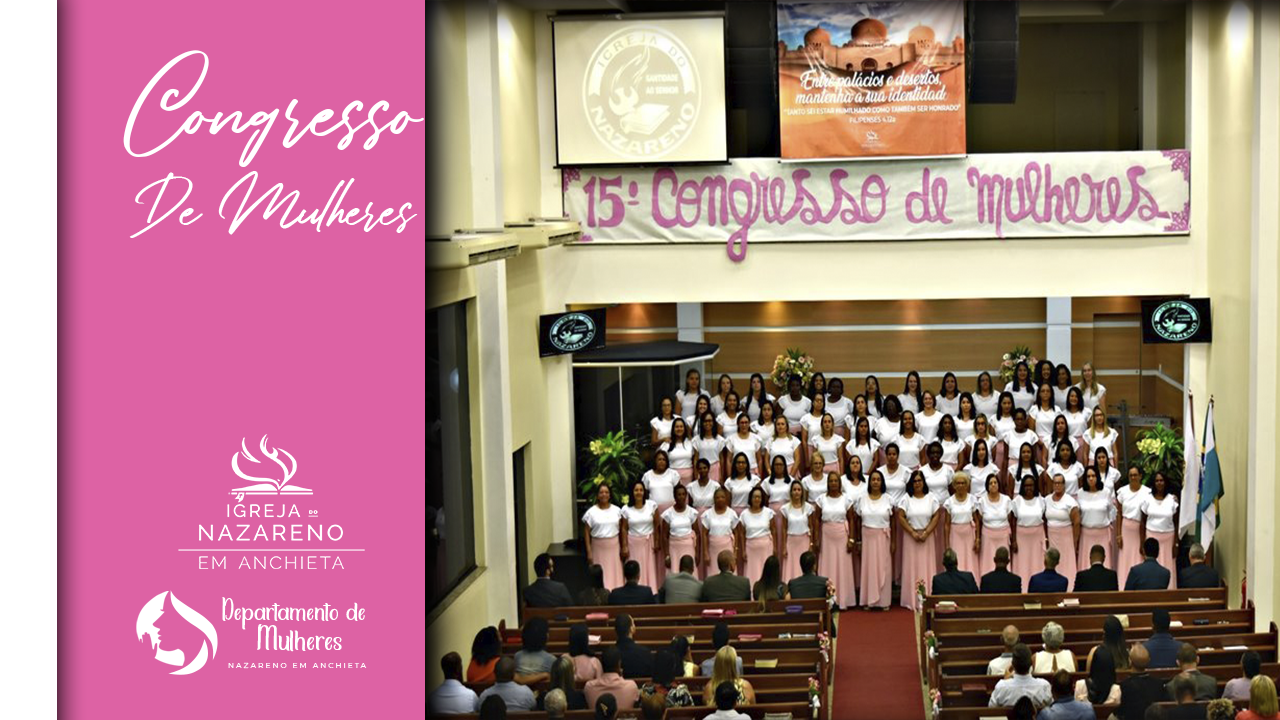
<point>1087,194</point>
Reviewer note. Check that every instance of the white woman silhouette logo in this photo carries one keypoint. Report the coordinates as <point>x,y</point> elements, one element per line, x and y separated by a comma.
<point>165,612</point>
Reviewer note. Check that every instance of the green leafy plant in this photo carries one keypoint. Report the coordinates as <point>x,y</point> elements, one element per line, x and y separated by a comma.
<point>1009,362</point>
<point>614,460</point>
<point>792,362</point>
<point>1160,450</point>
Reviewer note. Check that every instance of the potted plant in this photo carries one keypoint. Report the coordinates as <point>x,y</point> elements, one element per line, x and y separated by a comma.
<point>614,460</point>
<point>1160,450</point>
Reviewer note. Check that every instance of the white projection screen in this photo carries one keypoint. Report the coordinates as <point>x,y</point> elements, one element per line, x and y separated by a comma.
<point>638,90</point>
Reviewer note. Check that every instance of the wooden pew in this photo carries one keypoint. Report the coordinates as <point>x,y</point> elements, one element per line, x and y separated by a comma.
<point>797,710</point>
<point>776,622</point>
<point>578,613</point>
<point>768,688</point>
<point>983,632</point>
<point>1131,601</point>
<point>682,618</point>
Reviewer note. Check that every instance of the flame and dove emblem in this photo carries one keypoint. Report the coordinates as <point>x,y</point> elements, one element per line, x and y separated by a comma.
<point>266,485</point>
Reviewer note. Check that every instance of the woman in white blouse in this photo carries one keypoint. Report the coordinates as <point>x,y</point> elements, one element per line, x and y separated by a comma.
<point>710,444</point>
<point>794,404</point>
<point>660,481</point>
<point>993,527</point>
<point>959,525</point>
<point>1095,394</point>
<point>966,414</point>
<point>983,431</point>
<point>815,481</point>
<point>680,538</point>
<point>1028,541</point>
<point>828,444</point>
<point>918,518</point>
<point>798,521</point>
<point>889,424</point>
<point>1077,414</point>
<point>985,398</point>
<point>1022,434</point>
<point>1021,387</point>
<point>765,427</point>
<point>1062,521</point>
<point>680,450</point>
<point>895,477</point>
<point>758,535</point>
<point>1064,464</point>
<point>875,544</point>
<point>1097,520</point>
<point>875,399</point>
<point>980,466</point>
<point>639,520</point>
<point>1024,465</point>
<point>948,397</point>
<point>929,416</point>
<point>661,424</point>
<point>1001,424</point>
<point>860,410</point>
<point>1109,475</point>
<point>724,386</point>
<point>744,441</point>
<point>1043,411</point>
<point>756,397</point>
<point>952,445</point>
<point>853,482</point>
<point>777,484</point>
<point>702,491</point>
<point>1160,521</point>
<point>910,442</point>
<point>1043,374</point>
<point>1061,434</point>
<point>937,474</point>
<point>740,482</point>
<point>717,529</point>
<point>835,542</point>
<point>1100,435</point>
<point>910,395</point>
<point>811,423</point>
<point>786,445</point>
<point>839,405</point>
<point>1062,383</point>
<point>862,445</point>
<point>687,397</point>
<point>817,385</point>
<point>702,406</point>
<point>600,529</point>
<point>728,418</point>
<point>1130,501</point>
<point>1053,657</point>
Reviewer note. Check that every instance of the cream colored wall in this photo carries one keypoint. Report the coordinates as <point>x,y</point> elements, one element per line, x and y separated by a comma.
<point>451,163</point>
<point>519,113</point>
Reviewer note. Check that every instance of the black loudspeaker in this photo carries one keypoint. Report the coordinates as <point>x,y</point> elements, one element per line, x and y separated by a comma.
<point>993,52</point>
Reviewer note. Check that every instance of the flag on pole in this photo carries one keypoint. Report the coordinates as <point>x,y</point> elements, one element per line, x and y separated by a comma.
<point>1189,503</point>
<point>1211,484</point>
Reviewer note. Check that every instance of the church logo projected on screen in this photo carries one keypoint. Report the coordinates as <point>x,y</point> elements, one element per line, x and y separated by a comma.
<point>1175,320</point>
<point>572,332</point>
<point>268,478</point>
<point>641,92</point>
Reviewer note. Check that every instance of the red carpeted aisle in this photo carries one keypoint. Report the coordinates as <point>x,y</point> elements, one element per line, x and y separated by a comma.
<point>877,674</point>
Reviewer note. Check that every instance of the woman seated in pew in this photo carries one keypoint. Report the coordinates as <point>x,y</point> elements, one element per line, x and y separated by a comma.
<point>666,668</point>
<point>1262,700</point>
<point>486,649</point>
<point>1238,688</point>
<point>1100,688</point>
<point>1053,657</point>
<point>586,666</point>
<point>595,592</point>
<point>724,670</point>
<point>533,662</point>
<point>770,585</point>
<point>681,648</point>
<point>562,678</point>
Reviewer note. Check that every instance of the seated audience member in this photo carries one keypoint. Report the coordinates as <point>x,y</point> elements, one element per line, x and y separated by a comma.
<point>681,649</point>
<point>681,587</point>
<point>1204,686</point>
<point>607,707</point>
<point>533,662</point>
<point>1220,709</point>
<point>1262,700</point>
<point>594,593</point>
<point>726,670</point>
<point>1148,574</point>
<point>486,649</point>
<point>1024,709</point>
<point>770,586</point>
<point>586,666</point>
<point>719,639</point>
<point>1008,636</point>
<point>1140,690</point>
<point>555,704</point>
<point>725,586</point>
<point>1065,706</point>
<point>515,695</point>
<point>452,697</point>
<point>810,584</point>
<point>624,692</point>
<point>1021,683</point>
<point>1238,688</point>
<point>1112,644</point>
<point>562,679</point>
<point>652,707</point>
<point>1054,657</point>
<point>666,668</point>
<point>631,592</point>
<point>952,581</point>
<point>1100,688</point>
<point>637,660</point>
<point>493,708</point>
<point>1162,648</point>
<point>1197,574</point>
<point>1097,578</point>
<point>1001,580</point>
<point>1049,580</point>
<point>544,592</point>
<point>726,699</point>
<point>1188,708</point>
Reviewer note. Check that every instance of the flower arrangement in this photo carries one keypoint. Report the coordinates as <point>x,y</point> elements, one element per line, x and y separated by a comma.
<point>1160,450</point>
<point>824,646</point>
<point>935,699</point>
<point>614,460</point>
<point>921,591</point>
<point>792,362</point>
<point>1010,360</point>
<point>831,594</point>
<point>815,695</point>
<point>931,643</point>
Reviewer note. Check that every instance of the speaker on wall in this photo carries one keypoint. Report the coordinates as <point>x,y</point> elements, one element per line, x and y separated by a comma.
<point>993,52</point>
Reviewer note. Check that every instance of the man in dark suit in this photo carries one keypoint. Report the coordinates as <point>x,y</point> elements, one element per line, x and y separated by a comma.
<point>632,593</point>
<point>681,587</point>
<point>1097,578</point>
<point>1204,686</point>
<point>1001,580</point>
<point>1161,646</point>
<point>725,586</point>
<point>637,660</point>
<point>952,581</point>
<point>1050,580</point>
<point>1197,574</point>
<point>545,592</point>
<point>1140,689</point>
<point>810,584</point>
<point>1148,574</point>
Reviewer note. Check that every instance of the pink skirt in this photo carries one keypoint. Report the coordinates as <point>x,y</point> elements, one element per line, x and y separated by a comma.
<point>919,564</point>
<point>962,542</point>
<point>605,552</point>
<point>1089,537</point>
<point>1063,539</point>
<point>831,467</point>
<point>843,431</point>
<point>1166,555</point>
<point>797,545</point>
<point>758,550</point>
<point>641,547</point>
<point>1029,559</point>
<point>1130,553</point>
<point>877,563</point>
<point>714,472</point>
<point>835,563</point>
<point>686,475</point>
<point>715,545</point>
<point>992,538</point>
<point>678,548</point>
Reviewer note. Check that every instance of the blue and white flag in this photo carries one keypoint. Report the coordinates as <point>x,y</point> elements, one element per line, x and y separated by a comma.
<point>1210,484</point>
